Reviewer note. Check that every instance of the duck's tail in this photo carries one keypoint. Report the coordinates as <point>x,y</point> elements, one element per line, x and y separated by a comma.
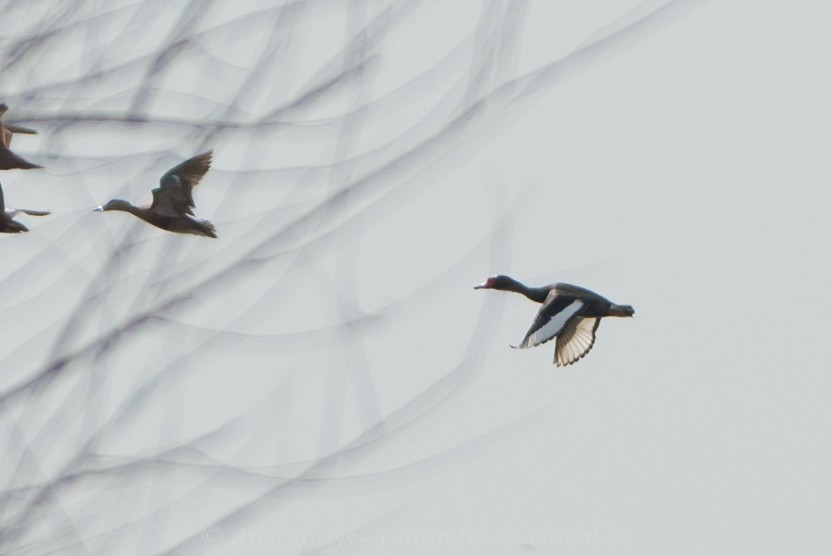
<point>621,310</point>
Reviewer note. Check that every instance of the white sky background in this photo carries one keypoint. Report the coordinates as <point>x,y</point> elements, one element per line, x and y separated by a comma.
<point>322,378</point>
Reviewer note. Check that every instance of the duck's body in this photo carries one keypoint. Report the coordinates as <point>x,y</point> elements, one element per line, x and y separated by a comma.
<point>7,223</point>
<point>569,313</point>
<point>180,224</point>
<point>173,203</point>
<point>8,159</point>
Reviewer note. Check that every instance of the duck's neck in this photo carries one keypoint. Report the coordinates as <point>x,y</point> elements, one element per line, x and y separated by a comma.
<point>538,295</point>
<point>124,206</point>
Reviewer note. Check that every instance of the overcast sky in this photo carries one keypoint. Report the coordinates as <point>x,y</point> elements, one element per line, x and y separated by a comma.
<point>322,378</point>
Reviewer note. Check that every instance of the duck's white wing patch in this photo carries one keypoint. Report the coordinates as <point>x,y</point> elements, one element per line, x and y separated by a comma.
<point>576,340</point>
<point>546,326</point>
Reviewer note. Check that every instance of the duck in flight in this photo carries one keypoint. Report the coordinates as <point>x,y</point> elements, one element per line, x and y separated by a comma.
<point>569,313</point>
<point>173,202</point>
<point>9,226</point>
<point>9,160</point>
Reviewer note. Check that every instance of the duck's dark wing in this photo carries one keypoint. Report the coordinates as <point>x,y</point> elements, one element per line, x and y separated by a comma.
<point>174,195</point>
<point>167,203</point>
<point>575,340</point>
<point>2,201</point>
<point>9,160</point>
<point>556,313</point>
<point>31,212</point>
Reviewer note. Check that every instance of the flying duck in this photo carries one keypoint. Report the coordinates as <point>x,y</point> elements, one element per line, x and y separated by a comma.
<point>9,226</point>
<point>569,313</point>
<point>173,201</point>
<point>9,160</point>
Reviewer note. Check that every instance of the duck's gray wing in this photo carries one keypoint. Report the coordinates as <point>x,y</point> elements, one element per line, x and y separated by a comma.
<point>31,212</point>
<point>12,212</point>
<point>14,128</point>
<point>167,203</point>
<point>178,182</point>
<point>575,340</point>
<point>554,315</point>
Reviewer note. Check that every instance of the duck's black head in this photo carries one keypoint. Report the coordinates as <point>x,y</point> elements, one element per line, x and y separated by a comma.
<point>506,283</point>
<point>498,282</point>
<point>115,204</point>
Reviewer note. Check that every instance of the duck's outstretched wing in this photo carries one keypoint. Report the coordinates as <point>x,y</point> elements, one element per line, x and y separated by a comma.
<point>575,340</point>
<point>174,195</point>
<point>8,130</point>
<point>20,129</point>
<point>31,212</point>
<point>164,204</point>
<point>9,161</point>
<point>554,315</point>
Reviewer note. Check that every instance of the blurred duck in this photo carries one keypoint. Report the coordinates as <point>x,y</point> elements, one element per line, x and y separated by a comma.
<point>173,201</point>
<point>9,160</point>
<point>9,226</point>
<point>569,313</point>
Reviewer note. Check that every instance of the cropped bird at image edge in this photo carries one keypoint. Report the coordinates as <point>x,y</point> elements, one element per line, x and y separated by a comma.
<point>8,159</point>
<point>10,226</point>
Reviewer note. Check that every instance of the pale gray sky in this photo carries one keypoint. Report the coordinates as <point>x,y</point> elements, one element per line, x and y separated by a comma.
<point>323,378</point>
